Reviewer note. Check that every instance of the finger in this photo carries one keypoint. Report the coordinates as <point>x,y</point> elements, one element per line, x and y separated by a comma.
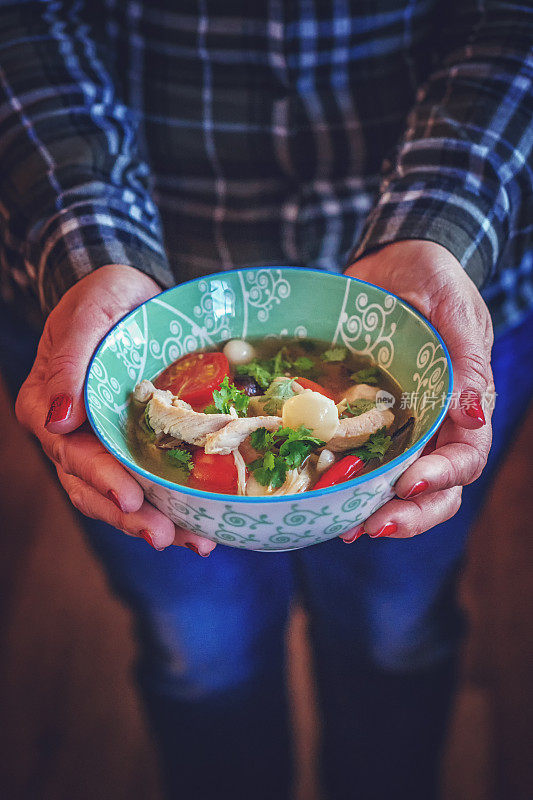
<point>147,522</point>
<point>458,460</point>
<point>74,333</point>
<point>81,455</point>
<point>469,342</point>
<point>403,519</point>
<point>192,541</point>
<point>29,406</point>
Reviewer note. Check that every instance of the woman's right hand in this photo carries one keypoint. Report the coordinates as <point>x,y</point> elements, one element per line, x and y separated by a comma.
<point>50,404</point>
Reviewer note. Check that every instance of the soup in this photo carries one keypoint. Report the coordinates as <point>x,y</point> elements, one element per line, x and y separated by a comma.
<point>268,417</point>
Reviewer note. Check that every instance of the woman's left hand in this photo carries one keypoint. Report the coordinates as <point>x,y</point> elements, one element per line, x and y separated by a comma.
<point>430,278</point>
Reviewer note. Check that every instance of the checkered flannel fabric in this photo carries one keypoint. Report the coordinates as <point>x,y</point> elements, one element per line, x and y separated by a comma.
<point>188,137</point>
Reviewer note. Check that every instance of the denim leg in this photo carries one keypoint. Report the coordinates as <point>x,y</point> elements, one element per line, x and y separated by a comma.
<point>211,636</point>
<point>212,668</point>
<point>386,626</point>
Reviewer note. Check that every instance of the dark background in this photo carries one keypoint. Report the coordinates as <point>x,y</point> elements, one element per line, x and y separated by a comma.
<point>72,727</point>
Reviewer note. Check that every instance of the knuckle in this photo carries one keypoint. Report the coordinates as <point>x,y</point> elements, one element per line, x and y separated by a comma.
<point>448,471</point>
<point>57,452</point>
<point>478,465</point>
<point>78,500</point>
<point>20,406</point>
<point>96,467</point>
<point>454,502</point>
<point>457,497</point>
<point>475,365</point>
<point>60,364</point>
<point>415,527</point>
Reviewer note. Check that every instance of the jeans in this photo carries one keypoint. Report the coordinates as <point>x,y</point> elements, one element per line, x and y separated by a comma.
<point>385,631</point>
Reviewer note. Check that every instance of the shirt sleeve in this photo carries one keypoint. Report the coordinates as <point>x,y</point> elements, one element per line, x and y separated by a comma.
<point>74,190</point>
<point>462,175</point>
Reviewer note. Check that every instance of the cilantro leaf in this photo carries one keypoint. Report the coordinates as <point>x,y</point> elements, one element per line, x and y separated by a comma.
<point>280,363</point>
<point>359,406</point>
<point>272,471</point>
<point>334,354</point>
<point>264,371</point>
<point>376,446</point>
<point>303,364</point>
<point>180,458</point>
<point>227,397</point>
<point>258,370</point>
<point>276,394</point>
<point>286,448</point>
<point>261,439</point>
<point>368,376</point>
<point>146,421</point>
<point>295,452</point>
<point>298,434</point>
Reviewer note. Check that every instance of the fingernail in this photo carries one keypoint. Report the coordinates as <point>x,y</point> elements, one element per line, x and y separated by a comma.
<point>194,548</point>
<point>416,488</point>
<point>386,530</point>
<point>470,401</point>
<point>147,536</point>
<point>60,408</point>
<point>113,496</point>
<point>351,536</point>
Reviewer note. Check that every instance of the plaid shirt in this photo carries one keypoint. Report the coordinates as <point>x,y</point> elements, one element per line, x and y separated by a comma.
<point>188,137</point>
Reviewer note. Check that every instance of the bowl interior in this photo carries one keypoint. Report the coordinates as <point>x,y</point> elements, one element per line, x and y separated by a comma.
<point>273,302</point>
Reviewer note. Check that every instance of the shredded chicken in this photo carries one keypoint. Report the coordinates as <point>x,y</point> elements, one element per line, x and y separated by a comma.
<point>296,481</point>
<point>355,431</point>
<point>165,442</point>
<point>241,472</point>
<point>144,391</point>
<point>233,434</point>
<point>255,489</point>
<point>359,391</point>
<point>168,414</point>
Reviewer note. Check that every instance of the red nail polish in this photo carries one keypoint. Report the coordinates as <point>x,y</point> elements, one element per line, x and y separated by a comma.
<point>351,536</point>
<point>386,530</point>
<point>113,496</point>
<point>60,408</point>
<point>147,536</point>
<point>416,488</point>
<point>194,548</point>
<point>470,401</point>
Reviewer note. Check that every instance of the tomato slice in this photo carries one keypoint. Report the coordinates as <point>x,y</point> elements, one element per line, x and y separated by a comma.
<point>213,473</point>
<point>194,377</point>
<point>305,383</point>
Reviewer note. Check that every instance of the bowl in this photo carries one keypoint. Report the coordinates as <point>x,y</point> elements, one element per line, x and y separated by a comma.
<point>270,302</point>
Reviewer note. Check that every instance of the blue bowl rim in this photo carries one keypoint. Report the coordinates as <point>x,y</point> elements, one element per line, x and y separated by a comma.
<point>415,447</point>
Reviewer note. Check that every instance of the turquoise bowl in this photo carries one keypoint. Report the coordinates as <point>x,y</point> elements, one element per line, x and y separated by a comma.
<point>273,302</point>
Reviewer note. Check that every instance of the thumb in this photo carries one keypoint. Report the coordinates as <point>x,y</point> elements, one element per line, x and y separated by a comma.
<point>76,327</point>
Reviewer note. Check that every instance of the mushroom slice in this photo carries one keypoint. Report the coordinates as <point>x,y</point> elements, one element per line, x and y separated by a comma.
<point>355,431</point>
<point>231,436</point>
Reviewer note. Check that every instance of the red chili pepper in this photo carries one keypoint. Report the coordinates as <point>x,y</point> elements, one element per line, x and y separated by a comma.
<point>348,467</point>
